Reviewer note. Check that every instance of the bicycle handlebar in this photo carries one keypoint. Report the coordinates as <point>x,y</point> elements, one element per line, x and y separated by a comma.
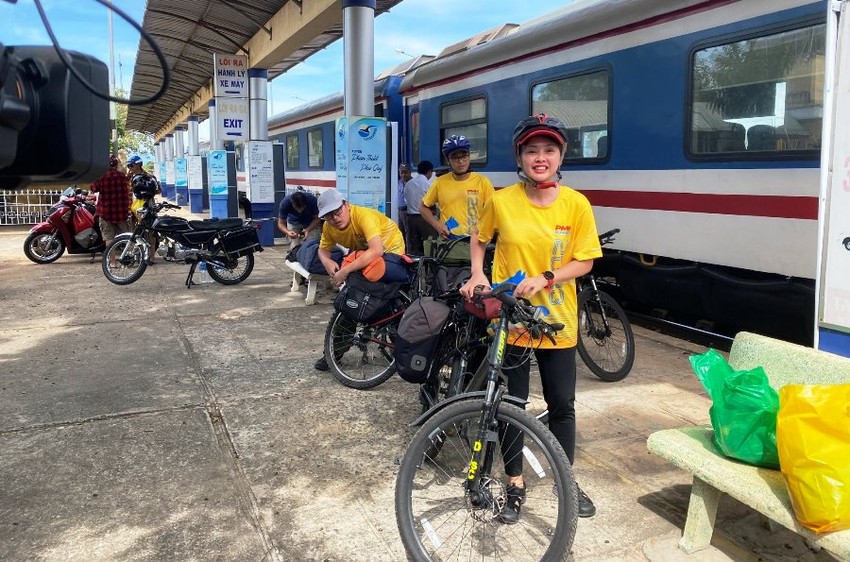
<point>520,310</point>
<point>608,237</point>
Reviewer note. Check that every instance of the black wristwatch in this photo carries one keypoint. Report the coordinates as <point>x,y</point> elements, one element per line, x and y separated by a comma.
<point>550,279</point>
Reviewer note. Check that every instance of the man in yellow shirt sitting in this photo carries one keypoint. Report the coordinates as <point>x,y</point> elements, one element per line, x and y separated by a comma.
<point>359,228</point>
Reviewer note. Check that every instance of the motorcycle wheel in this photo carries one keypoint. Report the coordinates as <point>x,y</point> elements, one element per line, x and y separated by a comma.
<point>239,270</point>
<point>133,265</point>
<point>39,248</point>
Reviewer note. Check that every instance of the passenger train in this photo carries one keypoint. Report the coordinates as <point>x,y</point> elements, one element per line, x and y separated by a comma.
<point>695,128</point>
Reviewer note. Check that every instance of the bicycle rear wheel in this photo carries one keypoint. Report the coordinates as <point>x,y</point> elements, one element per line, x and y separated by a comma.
<point>606,342</point>
<point>439,520</point>
<point>360,355</point>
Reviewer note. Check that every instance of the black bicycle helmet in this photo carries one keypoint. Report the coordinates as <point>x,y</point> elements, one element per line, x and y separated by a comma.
<point>144,186</point>
<point>540,124</point>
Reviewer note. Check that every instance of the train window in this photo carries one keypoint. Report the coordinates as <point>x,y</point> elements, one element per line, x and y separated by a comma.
<point>581,103</point>
<point>292,152</point>
<point>314,148</point>
<point>760,95</point>
<point>467,118</point>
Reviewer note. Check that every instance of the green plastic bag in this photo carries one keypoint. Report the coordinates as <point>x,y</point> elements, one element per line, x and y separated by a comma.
<point>743,411</point>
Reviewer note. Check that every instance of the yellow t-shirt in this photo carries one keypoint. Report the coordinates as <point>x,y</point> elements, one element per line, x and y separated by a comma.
<point>460,200</point>
<point>365,224</point>
<point>534,239</point>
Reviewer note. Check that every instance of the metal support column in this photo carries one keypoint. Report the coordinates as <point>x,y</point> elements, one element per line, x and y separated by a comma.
<point>358,36</point>
<point>258,104</point>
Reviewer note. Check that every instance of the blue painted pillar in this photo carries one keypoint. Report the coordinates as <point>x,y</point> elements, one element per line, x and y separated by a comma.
<point>265,208</point>
<point>168,183</point>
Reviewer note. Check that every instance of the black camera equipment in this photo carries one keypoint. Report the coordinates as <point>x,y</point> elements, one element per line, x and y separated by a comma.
<point>52,129</point>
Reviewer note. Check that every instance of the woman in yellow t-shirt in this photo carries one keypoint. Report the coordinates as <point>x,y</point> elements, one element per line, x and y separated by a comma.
<point>532,215</point>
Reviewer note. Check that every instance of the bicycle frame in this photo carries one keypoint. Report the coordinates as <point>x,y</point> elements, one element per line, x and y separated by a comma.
<point>482,448</point>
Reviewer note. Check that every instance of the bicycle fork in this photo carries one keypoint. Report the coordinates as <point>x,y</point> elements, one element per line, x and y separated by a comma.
<point>594,330</point>
<point>487,438</point>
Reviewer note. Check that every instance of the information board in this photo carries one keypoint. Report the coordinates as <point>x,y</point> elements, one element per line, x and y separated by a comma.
<point>260,171</point>
<point>217,171</point>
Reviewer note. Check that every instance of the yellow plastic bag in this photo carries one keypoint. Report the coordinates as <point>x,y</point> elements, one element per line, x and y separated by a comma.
<point>813,439</point>
<point>136,206</point>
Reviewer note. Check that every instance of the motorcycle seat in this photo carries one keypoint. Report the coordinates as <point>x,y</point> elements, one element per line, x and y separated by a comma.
<point>217,224</point>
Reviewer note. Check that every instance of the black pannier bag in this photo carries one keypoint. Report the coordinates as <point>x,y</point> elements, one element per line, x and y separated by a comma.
<point>448,277</point>
<point>241,242</point>
<point>363,301</point>
<point>418,335</point>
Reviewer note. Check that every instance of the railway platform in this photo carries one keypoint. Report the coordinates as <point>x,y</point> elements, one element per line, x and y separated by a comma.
<point>152,422</point>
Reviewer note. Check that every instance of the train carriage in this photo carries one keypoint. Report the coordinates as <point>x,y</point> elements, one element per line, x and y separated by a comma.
<point>694,127</point>
<point>308,132</point>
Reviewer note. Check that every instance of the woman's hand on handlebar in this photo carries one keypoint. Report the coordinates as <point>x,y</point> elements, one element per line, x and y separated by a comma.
<point>477,280</point>
<point>530,286</point>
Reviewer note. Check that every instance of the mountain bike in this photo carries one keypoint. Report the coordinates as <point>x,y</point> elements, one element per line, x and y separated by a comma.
<point>360,354</point>
<point>606,342</point>
<point>451,487</point>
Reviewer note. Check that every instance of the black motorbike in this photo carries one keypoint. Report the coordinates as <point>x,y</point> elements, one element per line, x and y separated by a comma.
<point>226,246</point>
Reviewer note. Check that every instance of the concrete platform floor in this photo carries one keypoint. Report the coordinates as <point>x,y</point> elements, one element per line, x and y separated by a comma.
<point>152,422</point>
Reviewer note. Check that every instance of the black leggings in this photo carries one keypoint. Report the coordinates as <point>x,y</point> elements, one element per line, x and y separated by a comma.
<point>558,377</point>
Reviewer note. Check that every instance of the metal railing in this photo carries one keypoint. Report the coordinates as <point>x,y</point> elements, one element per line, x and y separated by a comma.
<point>26,206</point>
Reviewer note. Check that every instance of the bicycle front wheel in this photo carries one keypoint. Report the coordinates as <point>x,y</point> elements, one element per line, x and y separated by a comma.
<point>606,342</point>
<point>439,519</point>
<point>360,355</point>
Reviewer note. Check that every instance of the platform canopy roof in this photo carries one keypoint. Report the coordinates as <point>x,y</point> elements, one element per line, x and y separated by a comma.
<point>275,35</point>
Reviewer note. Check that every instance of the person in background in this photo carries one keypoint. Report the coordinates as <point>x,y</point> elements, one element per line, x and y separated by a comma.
<point>113,202</point>
<point>459,195</point>
<point>418,228</point>
<point>145,187</point>
<point>403,178</point>
<point>298,216</point>
<point>546,238</point>
<point>375,235</point>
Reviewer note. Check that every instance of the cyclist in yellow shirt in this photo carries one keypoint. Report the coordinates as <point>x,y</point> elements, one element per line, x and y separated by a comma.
<point>359,228</point>
<point>547,238</point>
<point>459,195</point>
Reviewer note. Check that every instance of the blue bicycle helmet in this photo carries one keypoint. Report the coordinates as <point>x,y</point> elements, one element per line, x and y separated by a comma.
<point>134,159</point>
<point>455,142</point>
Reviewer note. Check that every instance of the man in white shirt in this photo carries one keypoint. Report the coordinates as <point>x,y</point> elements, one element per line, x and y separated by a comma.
<point>418,228</point>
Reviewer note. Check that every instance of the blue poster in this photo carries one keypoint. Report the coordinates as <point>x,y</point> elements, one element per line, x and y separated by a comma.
<point>367,162</point>
<point>341,148</point>
<point>217,171</point>
<point>181,175</point>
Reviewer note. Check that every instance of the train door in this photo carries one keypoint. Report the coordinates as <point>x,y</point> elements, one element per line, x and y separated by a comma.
<point>832,330</point>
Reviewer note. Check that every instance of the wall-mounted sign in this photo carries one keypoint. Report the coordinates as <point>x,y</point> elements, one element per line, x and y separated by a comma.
<point>181,174</point>
<point>231,76</point>
<point>195,172</point>
<point>217,172</point>
<point>232,116</point>
<point>260,171</point>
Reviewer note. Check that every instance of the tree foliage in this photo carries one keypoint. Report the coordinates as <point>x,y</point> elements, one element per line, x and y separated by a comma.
<point>130,140</point>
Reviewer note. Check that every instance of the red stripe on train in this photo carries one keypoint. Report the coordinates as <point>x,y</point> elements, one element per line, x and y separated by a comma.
<point>776,206</point>
<point>310,182</point>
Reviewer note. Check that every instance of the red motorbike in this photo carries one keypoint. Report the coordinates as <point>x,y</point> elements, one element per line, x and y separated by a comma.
<point>71,224</point>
